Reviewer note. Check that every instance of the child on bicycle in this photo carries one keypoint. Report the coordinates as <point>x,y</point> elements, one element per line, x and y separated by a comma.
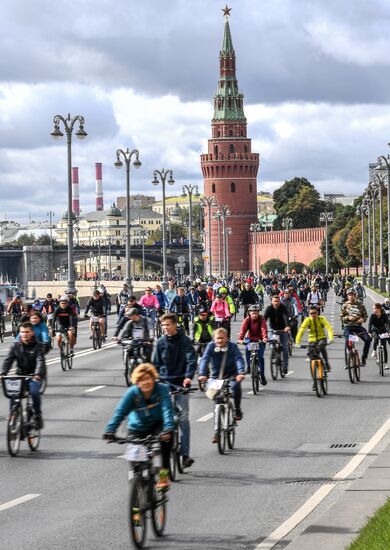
<point>254,329</point>
<point>318,326</point>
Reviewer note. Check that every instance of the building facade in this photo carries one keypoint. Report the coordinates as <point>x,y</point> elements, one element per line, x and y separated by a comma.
<point>229,167</point>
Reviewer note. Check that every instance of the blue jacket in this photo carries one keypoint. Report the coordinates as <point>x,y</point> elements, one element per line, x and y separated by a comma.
<point>142,416</point>
<point>175,359</point>
<point>180,304</point>
<point>41,333</point>
<point>162,299</point>
<point>234,363</point>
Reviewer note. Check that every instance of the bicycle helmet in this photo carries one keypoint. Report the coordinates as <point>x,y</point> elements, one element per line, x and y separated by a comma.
<point>253,307</point>
<point>64,299</point>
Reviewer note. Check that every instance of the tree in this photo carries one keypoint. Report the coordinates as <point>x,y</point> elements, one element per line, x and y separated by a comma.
<point>274,265</point>
<point>176,231</point>
<point>25,240</point>
<point>318,265</point>
<point>298,267</point>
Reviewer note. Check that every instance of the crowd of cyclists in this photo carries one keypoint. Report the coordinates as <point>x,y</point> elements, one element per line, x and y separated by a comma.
<point>186,336</point>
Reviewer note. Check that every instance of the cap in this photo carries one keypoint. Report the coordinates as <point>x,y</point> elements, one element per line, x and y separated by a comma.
<point>222,290</point>
<point>132,298</point>
<point>96,292</point>
<point>203,310</point>
<point>133,311</point>
<point>351,291</point>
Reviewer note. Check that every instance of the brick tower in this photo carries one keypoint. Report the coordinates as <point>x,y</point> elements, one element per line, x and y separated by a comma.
<point>230,168</point>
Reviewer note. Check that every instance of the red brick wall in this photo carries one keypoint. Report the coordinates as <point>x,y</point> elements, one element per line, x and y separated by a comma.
<point>304,246</point>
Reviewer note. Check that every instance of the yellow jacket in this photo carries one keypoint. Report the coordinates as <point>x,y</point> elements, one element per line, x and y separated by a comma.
<point>316,329</point>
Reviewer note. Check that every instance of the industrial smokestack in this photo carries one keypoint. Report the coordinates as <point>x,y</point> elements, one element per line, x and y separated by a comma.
<point>75,191</point>
<point>99,187</point>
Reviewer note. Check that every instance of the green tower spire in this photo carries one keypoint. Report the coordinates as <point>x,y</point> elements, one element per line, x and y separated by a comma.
<point>227,43</point>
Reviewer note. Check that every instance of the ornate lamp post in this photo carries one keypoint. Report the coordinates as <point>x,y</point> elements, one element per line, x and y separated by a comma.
<point>127,156</point>
<point>68,124</point>
<point>362,211</point>
<point>209,202</point>
<point>287,224</point>
<point>255,228</point>
<point>383,164</point>
<point>367,202</point>
<point>160,176</point>
<point>190,191</point>
<point>217,216</point>
<point>228,232</point>
<point>371,192</point>
<point>378,186</point>
<point>326,217</point>
<point>225,211</point>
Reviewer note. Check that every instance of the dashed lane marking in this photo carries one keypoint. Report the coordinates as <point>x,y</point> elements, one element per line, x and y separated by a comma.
<point>17,501</point>
<point>206,417</point>
<point>90,390</point>
<point>83,353</point>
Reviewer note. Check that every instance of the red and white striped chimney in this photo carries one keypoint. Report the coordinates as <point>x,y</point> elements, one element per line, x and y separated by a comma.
<point>75,191</point>
<point>99,187</point>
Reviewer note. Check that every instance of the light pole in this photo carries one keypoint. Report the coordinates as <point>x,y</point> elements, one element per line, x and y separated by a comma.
<point>378,186</point>
<point>287,224</point>
<point>160,176</point>
<point>367,202</point>
<point>361,211</point>
<point>371,192</point>
<point>68,123</point>
<point>326,217</point>
<point>142,232</point>
<point>217,216</point>
<point>384,164</point>
<point>255,228</point>
<point>224,209</point>
<point>190,191</point>
<point>127,156</point>
<point>228,232</point>
<point>51,214</point>
<point>209,202</point>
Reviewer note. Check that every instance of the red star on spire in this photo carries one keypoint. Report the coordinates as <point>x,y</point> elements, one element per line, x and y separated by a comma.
<point>226,11</point>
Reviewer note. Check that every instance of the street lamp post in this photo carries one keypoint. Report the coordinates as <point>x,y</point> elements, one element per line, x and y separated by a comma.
<point>51,214</point>
<point>190,191</point>
<point>255,228</point>
<point>127,156</point>
<point>160,176</point>
<point>378,186</point>
<point>367,202</point>
<point>68,124</point>
<point>228,232</point>
<point>224,210</point>
<point>142,232</point>
<point>383,163</point>
<point>209,202</point>
<point>287,224</point>
<point>217,216</point>
<point>372,192</point>
<point>361,211</point>
<point>326,217</point>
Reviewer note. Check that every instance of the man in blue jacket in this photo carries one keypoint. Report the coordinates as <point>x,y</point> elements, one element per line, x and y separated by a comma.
<point>224,355</point>
<point>175,359</point>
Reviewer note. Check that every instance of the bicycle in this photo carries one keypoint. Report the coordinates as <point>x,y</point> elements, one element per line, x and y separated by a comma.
<point>224,422</point>
<point>21,423</point>
<point>199,348</point>
<point>15,321</point>
<point>318,371</point>
<point>97,338</point>
<point>144,497</point>
<point>49,322</point>
<point>380,352</point>
<point>2,328</point>
<point>352,358</point>
<point>133,355</point>
<point>66,354</point>
<point>276,355</point>
<point>253,347</point>
<point>175,463</point>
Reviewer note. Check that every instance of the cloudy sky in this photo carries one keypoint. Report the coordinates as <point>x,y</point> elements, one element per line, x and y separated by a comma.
<point>315,74</point>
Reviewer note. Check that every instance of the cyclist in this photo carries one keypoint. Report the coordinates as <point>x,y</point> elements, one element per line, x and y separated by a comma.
<point>148,407</point>
<point>63,318</point>
<point>221,311</point>
<point>378,324</point>
<point>175,359</point>
<point>248,297</point>
<point>291,305</point>
<point>15,307</point>
<point>202,329</point>
<point>203,298</point>
<point>314,297</point>
<point>318,326</point>
<point>2,314</point>
<point>138,328</point>
<point>259,289</point>
<point>226,361</point>
<point>121,299</point>
<point>170,292</point>
<point>150,302</point>
<point>360,292</point>
<point>277,315</point>
<point>181,306</point>
<point>30,361</point>
<point>162,299</point>
<point>96,305</point>
<point>107,306</point>
<point>40,330</point>
<point>254,329</point>
<point>49,305</point>
<point>74,303</point>
<point>224,291</point>
<point>353,315</point>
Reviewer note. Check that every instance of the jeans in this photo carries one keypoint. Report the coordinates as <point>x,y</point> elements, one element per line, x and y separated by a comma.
<point>261,357</point>
<point>363,335</point>
<point>284,336</point>
<point>33,390</point>
<point>183,401</point>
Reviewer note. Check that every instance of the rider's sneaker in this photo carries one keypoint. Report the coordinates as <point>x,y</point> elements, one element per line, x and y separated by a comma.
<point>386,367</point>
<point>263,380</point>
<point>163,480</point>
<point>91,337</point>
<point>215,438</point>
<point>238,415</point>
<point>328,368</point>
<point>38,422</point>
<point>346,367</point>
<point>363,364</point>
<point>187,461</point>
<point>285,371</point>
<point>373,353</point>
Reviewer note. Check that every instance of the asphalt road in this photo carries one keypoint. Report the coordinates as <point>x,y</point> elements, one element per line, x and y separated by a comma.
<point>283,452</point>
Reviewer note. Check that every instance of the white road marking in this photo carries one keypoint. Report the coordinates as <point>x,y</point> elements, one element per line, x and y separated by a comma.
<point>290,372</point>
<point>90,390</point>
<point>82,353</point>
<point>17,501</point>
<point>276,536</point>
<point>206,417</point>
<point>251,392</point>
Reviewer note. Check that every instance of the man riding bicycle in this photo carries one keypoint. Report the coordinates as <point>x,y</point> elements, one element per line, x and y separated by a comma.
<point>202,329</point>
<point>316,325</point>
<point>138,328</point>
<point>97,307</point>
<point>181,306</point>
<point>353,315</point>
<point>277,315</point>
<point>63,320</point>
<point>254,329</point>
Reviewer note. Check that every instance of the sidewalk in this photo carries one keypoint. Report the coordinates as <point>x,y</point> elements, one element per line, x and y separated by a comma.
<point>340,525</point>
<point>336,528</point>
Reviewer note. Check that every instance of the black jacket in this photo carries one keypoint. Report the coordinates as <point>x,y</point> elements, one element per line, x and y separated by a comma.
<point>29,359</point>
<point>97,307</point>
<point>248,297</point>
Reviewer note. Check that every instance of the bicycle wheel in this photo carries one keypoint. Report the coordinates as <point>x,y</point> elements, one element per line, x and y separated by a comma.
<point>64,361</point>
<point>380,360</point>
<point>69,358</point>
<point>324,383</point>
<point>13,328</point>
<point>33,435</point>
<point>94,338</point>
<point>290,347</point>
<point>14,429</point>
<point>1,334</point>
<point>280,366</point>
<point>274,364</point>
<point>231,427</point>
<point>318,378</point>
<point>351,366</point>
<point>357,366</point>
<point>221,432</point>
<point>128,371</point>
<point>254,368</point>
<point>159,512</point>
<point>137,512</point>
<point>173,459</point>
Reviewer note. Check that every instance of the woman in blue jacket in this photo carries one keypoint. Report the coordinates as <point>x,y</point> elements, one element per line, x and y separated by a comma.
<point>148,408</point>
<point>41,330</point>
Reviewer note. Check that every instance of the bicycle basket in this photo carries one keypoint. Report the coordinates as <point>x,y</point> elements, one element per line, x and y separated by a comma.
<point>13,387</point>
<point>253,346</point>
<point>353,338</point>
<point>136,453</point>
<point>214,386</point>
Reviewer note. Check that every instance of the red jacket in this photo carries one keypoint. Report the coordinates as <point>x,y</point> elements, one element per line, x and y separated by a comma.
<point>255,330</point>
